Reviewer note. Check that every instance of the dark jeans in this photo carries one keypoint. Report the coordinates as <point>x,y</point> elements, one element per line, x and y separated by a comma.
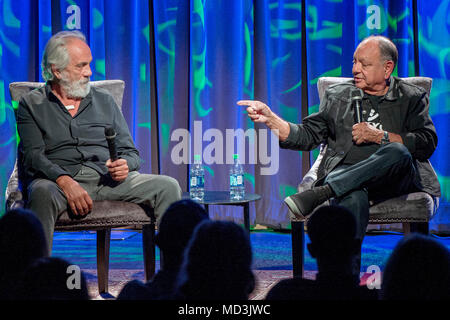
<point>387,173</point>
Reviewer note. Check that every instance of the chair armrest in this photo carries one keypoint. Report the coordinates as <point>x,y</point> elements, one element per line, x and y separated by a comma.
<point>13,194</point>
<point>14,201</point>
<point>311,175</point>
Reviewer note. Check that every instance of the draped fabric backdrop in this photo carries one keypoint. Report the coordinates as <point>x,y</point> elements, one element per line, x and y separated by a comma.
<point>186,63</point>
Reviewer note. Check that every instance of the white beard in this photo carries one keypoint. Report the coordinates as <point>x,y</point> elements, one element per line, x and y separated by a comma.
<point>75,89</point>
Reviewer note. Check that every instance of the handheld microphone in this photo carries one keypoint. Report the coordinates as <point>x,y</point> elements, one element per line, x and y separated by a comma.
<point>356,101</point>
<point>110,135</point>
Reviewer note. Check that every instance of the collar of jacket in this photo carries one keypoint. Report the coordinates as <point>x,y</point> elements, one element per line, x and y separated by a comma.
<point>392,93</point>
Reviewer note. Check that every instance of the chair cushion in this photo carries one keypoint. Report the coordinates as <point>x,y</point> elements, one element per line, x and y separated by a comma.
<point>324,82</point>
<point>19,89</point>
<point>105,214</point>
<point>412,207</point>
<point>114,87</point>
<point>13,193</point>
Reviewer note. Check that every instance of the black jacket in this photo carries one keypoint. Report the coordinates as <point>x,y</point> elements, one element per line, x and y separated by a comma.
<point>404,111</point>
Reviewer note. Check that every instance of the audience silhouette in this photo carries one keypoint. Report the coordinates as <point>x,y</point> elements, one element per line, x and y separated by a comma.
<point>211,260</point>
<point>52,278</point>
<point>331,230</point>
<point>217,264</point>
<point>22,241</point>
<point>175,231</point>
<point>418,269</point>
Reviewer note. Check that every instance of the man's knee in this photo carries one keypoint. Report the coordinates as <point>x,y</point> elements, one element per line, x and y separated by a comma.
<point>166,190</point>
<point>397,150</point>
<point>44,191</point>
<point>169,185</point>
<point>157,184</point>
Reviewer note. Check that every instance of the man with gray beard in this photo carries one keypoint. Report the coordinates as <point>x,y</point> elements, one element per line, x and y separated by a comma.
<point>63,151</point>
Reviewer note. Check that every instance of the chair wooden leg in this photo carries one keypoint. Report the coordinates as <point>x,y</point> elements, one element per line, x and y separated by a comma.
<point>406,228</point>
<point>420,227</point>
<point>148,246</point>
<point>103,243</point>
<point>298,247</point>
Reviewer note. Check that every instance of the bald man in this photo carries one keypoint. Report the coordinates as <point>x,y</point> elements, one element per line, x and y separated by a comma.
<point>384,155</point>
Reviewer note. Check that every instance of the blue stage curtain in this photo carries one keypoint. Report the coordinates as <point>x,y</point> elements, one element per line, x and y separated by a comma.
<point>172,51</point>
<point>208,55</point>
<point>277,73</point>
<point>18,62</point>
<point>434,62</point>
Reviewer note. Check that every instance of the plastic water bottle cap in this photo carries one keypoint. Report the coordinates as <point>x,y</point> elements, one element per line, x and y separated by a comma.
<point>197,157</point>
<point>235,156</point>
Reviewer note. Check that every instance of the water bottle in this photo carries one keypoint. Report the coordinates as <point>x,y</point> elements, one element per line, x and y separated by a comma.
<point>237,190</point>
<point>232,184</point>
<point>197,179</point>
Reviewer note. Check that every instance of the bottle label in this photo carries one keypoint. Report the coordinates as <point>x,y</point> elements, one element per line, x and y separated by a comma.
<point>193,182</point>
<point>239,180</point>
<point>232,180</point>
<point>197,182</point>
<point>200,182</point>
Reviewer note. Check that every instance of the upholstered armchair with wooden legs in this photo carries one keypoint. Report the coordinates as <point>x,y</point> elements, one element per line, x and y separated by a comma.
<point>413,210</point>
<point>105,215</point>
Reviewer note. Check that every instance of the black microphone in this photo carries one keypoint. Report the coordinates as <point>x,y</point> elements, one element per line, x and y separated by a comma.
<point>356,101</point>
<point>110,135</point>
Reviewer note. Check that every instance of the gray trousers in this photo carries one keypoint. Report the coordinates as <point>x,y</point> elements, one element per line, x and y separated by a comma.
<point>48,201</point>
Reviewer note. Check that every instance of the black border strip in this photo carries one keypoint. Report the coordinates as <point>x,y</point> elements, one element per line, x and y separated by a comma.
<point>306,165</point>
<point>154,130</point>
<point>416,38</point>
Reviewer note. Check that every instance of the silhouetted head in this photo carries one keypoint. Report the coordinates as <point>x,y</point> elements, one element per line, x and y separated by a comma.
<point>52,278</point>
<point>22,241</point>
<point>332,231</point>
<point>176,228</point>
<point>217,263</point>
<point>418,268</point>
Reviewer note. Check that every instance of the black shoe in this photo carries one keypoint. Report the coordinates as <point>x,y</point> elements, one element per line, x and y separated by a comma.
<point>303,204</point>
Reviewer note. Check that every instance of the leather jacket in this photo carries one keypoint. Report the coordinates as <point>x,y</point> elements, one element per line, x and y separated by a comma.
<point>403,110</point>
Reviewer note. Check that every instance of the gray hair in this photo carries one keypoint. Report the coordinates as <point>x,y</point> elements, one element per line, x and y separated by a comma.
<point>388,50</point>
<point>55,52</point>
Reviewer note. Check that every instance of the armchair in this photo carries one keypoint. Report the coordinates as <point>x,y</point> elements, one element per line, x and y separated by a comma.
<point>105,215</point>
<point>413,210</point>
